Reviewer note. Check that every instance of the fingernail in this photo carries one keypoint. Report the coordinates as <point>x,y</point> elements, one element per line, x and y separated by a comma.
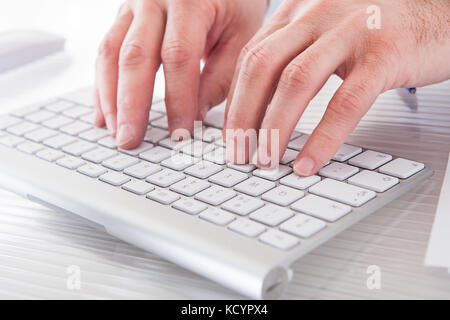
<point>109,119</point>
<point>305,166</point>
<point>125,135</point>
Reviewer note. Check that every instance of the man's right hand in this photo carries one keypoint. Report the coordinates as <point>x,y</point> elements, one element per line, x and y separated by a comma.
<point>178,34</point>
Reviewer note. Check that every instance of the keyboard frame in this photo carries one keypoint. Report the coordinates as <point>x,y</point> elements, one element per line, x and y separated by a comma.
<point>248,266</point>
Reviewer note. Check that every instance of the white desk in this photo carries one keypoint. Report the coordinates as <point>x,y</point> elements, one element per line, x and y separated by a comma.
<point>37,244</point>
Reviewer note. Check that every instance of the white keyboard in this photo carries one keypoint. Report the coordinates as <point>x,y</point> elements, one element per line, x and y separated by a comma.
<point>275,208</point>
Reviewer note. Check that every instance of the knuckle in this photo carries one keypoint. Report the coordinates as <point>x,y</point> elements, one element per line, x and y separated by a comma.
<point>349,102</point>
<point>108,48</point>
<point>132,53</point>
<point>296,75</point>
<point>176,54</point>
<point>255,61</point>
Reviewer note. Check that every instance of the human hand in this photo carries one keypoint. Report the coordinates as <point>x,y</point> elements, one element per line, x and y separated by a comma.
<point>291,57</point>
<point>178,33</point>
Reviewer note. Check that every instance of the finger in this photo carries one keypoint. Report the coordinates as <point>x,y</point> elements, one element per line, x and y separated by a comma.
<point>348,105</point>
<point>183,47</point>
<point>138,62</point>
<point>259,72</point>
<point>107,67</point>
<point>299,83</point>
<point>215,79</point>
<point>99,120</point>
<point>280,19</point>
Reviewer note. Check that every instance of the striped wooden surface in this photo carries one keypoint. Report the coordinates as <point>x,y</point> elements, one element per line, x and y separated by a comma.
<point>37,245</point>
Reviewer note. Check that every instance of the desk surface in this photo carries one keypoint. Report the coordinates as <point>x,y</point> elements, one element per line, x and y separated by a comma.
<point>37,245</point>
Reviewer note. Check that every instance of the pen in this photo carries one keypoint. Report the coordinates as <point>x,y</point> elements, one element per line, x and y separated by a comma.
<point>411,90</point>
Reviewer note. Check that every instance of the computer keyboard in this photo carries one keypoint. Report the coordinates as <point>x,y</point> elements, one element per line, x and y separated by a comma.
<point>274,208</point>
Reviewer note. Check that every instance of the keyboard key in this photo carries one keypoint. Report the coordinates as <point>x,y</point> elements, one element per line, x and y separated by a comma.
<point>342,192</point>
<point>98,155</point>
<point>208,134</point>
<point>138,187</point>
<point>159,105</point>
<point>144,146</point>
<point>219,142</point>
<point>246,168</point>
<point>179,161</point>
<point>10,141</point>
<point>163,196</point>
<point>154,135</point>
<point>298,182</point>
<point>161,123</point>
<point>57,122</point>
<point>142,170</point>
<point>88,118</point>
<point>39,116</point>
<point>255,186</point>
<point>70,162</point>
<point>189,186</point>
<point>338,171</point>
<point>7,121</point>
<point>228,178</point>
<point>279,240</point>
<point>189,206</point>
<point>402,168</point>
<point>92,170</point>
<point>174,145</point>
<point>156,155</point>
<point>322,208</point>
<point>78,148</point>
<point>246,227</point>
<point>298,143</point>
<point>283,196</point>
<point>295,135</point>
<point>273,174</point>
<point>215,195</point>
<point>214,118</point>
<point>373,181</point>
<point>303,226</point>
<point>49,154</point>
<point>22,112</point>
<point>289,156</point>
<point>94,134</point>
<point>346,152</point>
<point>59,141</point>
<point>153,115</point>
<point>120,162</point>
<point>114,178</point>
<point>217,216</point>
<point>59,106</point>
<point>75,128</point>
<point>76,112</point>
<point>22,128</point>
<point>198,148</point>
<point>203,169</point>
<point>217,156</point>
<point>370,159</point>
<point>242,205</point>
<point>40,134</point>
<point>165,178</point>
<point>29,147</point>
<point>271,215</point>
<point>108,142</point>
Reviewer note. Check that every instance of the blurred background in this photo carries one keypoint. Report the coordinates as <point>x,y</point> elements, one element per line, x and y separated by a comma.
<point>82,23</point>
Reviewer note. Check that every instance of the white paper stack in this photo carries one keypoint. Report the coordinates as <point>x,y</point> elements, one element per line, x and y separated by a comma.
<point>438,253</point>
